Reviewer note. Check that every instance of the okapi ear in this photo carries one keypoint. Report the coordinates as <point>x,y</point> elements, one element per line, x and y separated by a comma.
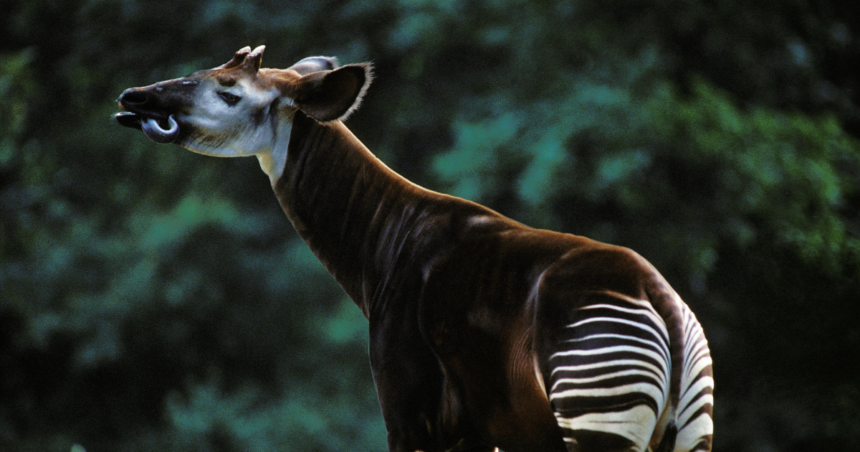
<point>314,64</point>
<point>333,95</point>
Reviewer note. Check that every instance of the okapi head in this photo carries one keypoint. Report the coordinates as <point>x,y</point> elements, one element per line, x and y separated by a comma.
<point>239,109</point>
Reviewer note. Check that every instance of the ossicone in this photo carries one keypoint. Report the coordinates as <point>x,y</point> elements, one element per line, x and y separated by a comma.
<point>238,58</point>
<point>247,59</point>
<point>254,59</point>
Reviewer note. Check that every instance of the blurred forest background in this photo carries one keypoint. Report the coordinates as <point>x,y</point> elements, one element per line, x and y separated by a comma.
<point>153,299</point>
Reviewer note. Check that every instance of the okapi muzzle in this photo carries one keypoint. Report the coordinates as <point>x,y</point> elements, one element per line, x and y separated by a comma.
<point>153,109</point>
<point>484,333</point>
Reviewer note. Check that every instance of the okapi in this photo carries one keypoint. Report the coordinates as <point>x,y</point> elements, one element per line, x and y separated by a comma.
<point>484,333</point>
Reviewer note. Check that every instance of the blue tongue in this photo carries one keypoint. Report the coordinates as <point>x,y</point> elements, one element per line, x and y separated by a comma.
<point>155,132</point>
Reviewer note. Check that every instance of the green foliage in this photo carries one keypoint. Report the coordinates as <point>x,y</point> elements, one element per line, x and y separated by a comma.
<point>151,299</point>
<point>793,174</point>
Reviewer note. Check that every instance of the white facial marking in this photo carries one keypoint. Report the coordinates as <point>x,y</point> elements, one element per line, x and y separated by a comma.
<point>273,161</point>
<point>238,121</point>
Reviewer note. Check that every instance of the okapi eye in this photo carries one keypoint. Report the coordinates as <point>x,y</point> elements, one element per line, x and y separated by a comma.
<point>230,98</point>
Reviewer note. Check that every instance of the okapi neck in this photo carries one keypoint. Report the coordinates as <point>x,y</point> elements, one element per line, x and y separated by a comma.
<point>354,212</point>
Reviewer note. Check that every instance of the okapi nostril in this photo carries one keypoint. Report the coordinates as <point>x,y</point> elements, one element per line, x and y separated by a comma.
<point>133,97</point>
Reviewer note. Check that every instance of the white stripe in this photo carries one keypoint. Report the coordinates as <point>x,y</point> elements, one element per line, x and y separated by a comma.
<point>693,432</point>
<point>622,373</point>
<point>662,386</point>
<point>639,325</point>
<point>614,349</point>
<point>686,403</point>
<point>695,368</point>
<point>635,424</point>
<point>621,336</point>
<point>647,312</point>
<point>617,362</point>
<point>694,339</point>
<point>648,389</point>
<point>701,351</point>
<point>706,399</point>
